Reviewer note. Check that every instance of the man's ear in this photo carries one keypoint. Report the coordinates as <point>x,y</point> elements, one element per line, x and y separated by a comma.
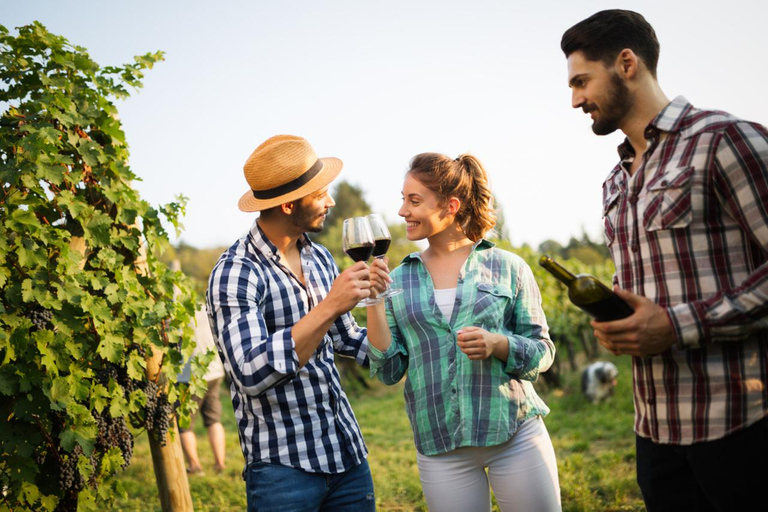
<point>287,208</point>
<point>627,63</point>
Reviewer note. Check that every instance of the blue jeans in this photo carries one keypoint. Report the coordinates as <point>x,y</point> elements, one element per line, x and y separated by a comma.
<point>275,488</point>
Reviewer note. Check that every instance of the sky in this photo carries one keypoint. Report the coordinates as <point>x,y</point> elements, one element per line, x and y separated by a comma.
<point>375,83</point>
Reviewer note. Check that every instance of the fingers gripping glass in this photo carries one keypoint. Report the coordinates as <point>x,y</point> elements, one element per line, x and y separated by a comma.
<point>382,239</point>
<point>358,242</point>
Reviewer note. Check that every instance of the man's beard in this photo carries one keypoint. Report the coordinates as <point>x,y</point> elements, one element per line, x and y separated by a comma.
<point>307,220</point>
<point>617,104</point>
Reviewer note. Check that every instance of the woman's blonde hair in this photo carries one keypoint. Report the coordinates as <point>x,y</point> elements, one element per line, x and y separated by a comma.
<point>463,178</point>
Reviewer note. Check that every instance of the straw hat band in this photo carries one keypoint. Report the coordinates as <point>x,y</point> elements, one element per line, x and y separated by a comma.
<point>291,185</point>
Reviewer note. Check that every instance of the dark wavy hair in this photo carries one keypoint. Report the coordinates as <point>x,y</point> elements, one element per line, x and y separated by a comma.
<point>602,36</point>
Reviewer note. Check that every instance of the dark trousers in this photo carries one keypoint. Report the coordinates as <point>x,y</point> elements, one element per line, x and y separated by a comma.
<point>729,474</point>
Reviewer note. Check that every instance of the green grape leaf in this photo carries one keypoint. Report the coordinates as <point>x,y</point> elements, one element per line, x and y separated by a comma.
<point>111,348</point>
<point>49,502</point>
<point>136,366</point>
<point>44,340</point>
<point>118,406</point>
<point>8,381</point>
<point>30,492</point>
<point>86,502</point>
<point>99,397</point>
<point>112,460</point>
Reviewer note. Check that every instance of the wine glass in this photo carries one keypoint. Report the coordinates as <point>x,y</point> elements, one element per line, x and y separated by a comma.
<point>382,239</point>
<point>357,241</point>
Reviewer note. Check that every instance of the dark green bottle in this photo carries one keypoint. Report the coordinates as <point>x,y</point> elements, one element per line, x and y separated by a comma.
<point>589,294</point>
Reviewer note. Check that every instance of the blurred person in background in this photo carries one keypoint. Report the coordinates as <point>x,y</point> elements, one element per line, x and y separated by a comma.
<point>209,406</point>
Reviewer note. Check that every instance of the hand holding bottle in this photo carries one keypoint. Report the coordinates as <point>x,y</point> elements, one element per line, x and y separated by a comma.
<point>647,332</point>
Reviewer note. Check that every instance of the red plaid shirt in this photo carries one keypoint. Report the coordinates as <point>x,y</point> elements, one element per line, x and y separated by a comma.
<point>690,231</point>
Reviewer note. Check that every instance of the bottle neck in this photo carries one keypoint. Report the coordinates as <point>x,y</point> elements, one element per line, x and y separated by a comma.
<point>556,270</point>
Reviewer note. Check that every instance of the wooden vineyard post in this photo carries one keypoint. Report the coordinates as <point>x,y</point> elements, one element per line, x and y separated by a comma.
<point>168,460</point>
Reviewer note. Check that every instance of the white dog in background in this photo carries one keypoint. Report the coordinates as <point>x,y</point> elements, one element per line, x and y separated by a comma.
<point>598,380</point>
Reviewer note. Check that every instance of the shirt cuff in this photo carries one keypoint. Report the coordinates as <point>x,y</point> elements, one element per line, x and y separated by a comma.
<point>688,324</point>
<point>379,358</point>
<point>282,353</point>
<point>516,361</point>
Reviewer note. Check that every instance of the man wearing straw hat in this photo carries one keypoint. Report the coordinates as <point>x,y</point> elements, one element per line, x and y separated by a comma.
<point>279,311</point>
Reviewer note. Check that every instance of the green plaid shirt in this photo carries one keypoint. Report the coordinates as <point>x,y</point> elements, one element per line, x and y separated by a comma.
<point>452,401</point>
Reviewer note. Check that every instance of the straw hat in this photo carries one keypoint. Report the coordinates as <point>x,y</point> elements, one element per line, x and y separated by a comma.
<point>282,169</point>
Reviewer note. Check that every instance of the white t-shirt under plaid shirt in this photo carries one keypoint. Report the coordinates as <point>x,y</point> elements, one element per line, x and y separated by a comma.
<point>689,230</point>
<point>297,417</point>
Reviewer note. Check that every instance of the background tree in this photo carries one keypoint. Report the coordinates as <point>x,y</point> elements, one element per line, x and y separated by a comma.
<point>500,230</point>
<point>84,301</point>
<point>196,264</point>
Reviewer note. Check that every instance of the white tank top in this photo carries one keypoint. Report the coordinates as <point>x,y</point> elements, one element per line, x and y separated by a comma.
<point>445,299</point>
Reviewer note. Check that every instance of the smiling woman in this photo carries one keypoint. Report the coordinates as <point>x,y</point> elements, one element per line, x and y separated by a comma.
<point>467,313</point>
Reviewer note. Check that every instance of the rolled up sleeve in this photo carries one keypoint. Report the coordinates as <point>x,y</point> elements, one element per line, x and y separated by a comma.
<point>256,359</point>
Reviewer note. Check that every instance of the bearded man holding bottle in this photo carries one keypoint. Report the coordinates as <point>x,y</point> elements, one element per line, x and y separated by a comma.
<point>686,222</point>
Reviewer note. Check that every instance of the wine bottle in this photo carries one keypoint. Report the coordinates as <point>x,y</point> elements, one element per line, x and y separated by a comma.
<point>589,294</point>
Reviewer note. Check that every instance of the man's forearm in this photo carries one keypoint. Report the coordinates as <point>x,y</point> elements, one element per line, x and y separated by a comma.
<point>311,329</point>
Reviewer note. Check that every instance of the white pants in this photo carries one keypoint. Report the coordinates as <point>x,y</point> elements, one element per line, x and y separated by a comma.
<point>522,473</point>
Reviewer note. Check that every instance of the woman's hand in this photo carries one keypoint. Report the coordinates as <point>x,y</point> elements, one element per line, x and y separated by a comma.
<point>480,344</point>
<point>379,276</point>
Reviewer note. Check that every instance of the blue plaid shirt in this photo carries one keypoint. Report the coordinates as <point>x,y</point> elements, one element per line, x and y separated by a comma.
<point>288,415</point>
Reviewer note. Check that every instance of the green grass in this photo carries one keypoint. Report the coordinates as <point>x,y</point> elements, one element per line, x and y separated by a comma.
<point>594,446</point>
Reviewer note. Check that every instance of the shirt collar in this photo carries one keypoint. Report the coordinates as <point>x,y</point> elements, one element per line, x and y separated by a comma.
<point>668,120</point>
<point>266,247</point>
<point>480,245</point>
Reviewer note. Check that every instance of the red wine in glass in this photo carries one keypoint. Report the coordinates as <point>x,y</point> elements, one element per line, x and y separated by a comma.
<point>361,252</point>
<point>358,242</point>
<point>382,239</point>
<point>380,247</point>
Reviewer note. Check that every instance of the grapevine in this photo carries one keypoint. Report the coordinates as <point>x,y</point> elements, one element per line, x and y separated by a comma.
<point>85,301</point>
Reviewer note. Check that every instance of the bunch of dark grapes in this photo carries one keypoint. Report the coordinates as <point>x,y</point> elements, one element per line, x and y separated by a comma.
<point>158,412</point>
<point>118,374</point>
<point>69,476</point>
<point>105,374</point>
<point>135,347</point>
<point>163,418</point>
<point>113,432</point>
<point>41,318</point>
<point>150,389</point>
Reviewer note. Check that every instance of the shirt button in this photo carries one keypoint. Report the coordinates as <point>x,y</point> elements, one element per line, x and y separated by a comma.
<point>633,199</point>
<point>635,247</point>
